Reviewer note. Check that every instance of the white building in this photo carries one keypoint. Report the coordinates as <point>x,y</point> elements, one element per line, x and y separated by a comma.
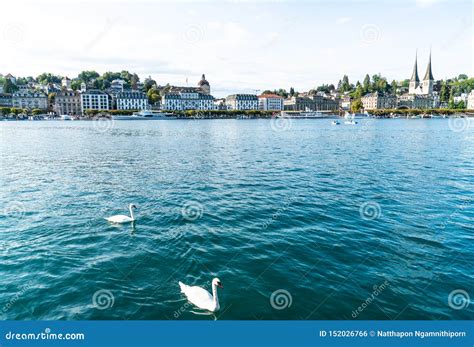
<point>132,100</point>
<point>30,99</point>
<point>470,100</point>
<point>94,100</point>
<point>270,102</point>
<point>376,100</point>
<point>66,83</point>
<point>188,100</point>
<point>117,85</point>
<point>242,102</point>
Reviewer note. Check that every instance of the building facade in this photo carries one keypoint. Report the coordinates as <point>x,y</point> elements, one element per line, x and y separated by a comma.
<point>188,99</point>
<point>6,100</point>
<point>311,102</point>
<point>68,102</point>
<point>470,100</point>
<point>374,101</point>
<point>94,100</point>
<point>132,100</point>
<point>242,102</point>
<point>30,99</point>
<point>270,102</point>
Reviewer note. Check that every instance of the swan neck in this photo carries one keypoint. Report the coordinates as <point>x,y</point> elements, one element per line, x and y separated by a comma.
<point>131,212</point>
<point>214,295</point>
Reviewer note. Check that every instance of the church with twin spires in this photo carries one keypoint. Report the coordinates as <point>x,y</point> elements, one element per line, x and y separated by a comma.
<point>424,87</point>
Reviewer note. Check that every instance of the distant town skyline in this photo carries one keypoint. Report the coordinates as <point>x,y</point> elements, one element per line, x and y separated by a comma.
<point>244,46</point>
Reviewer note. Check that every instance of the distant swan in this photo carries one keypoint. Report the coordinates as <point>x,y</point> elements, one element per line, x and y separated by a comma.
<point>120,218</point>
<point>201,297</point>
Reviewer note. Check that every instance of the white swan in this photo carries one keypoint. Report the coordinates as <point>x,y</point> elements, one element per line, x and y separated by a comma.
<point>120,218</point>
<point>201,297</point>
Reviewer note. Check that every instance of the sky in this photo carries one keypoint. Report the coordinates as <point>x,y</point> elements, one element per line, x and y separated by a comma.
<point>242,46</point>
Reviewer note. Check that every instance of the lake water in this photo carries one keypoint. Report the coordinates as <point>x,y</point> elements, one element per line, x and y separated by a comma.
<point>299,219</point>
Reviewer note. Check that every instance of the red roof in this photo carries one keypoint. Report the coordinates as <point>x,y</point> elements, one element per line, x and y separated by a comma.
<point>268,96</point>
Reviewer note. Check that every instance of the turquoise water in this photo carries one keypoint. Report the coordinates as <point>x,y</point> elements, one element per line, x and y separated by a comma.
<point>323,217</point>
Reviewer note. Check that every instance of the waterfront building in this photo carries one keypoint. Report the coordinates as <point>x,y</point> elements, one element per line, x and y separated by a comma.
<point>462,97</point>
<point>219,104</point>
<point>30,99</point>
<point>132,100</point>
<point>188,99</point>
<point>242,102</point>
<point>66,83</point>
<point>470,100</point>
<point>67,102</point>
<point>6,100</point>
<point>94,100</point>
<point>270,102</point>
<point>418,101</point>
<point>311,102</point>
<point>421,94</point>
<point>345,102</point>
<point>376,100</point>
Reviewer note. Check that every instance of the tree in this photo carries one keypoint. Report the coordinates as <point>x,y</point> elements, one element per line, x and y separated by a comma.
<point>292,91</point>
<point>366,84</point>
<point>88,76</point>
<point>462,77</point>
<point>46,78</point>
<point>444,92</point>
<point>149,83</point>
<point>134,81</point>
<point>153,95</point>
<point>356,105</point>
<point>394,87</point>
<point>9,87</point>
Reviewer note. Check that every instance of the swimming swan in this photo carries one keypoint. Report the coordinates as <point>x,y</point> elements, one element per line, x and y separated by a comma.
<point>120,218</point>
<point>201,297</point>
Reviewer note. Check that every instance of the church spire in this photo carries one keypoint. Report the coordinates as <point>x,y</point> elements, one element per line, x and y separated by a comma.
<point>429,73</point>
<point>414,75</point>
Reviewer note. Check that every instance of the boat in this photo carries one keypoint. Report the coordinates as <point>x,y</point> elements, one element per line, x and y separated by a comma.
<point>145,115</point>
<point>335,122</point>
<point>350,122</point>
<point>65,117</point>
<point>306,114</point>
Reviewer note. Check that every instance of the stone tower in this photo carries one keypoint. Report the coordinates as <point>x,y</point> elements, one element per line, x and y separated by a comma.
<point>204,85</point>
<point>414,80</point>
<point>428,80</point>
